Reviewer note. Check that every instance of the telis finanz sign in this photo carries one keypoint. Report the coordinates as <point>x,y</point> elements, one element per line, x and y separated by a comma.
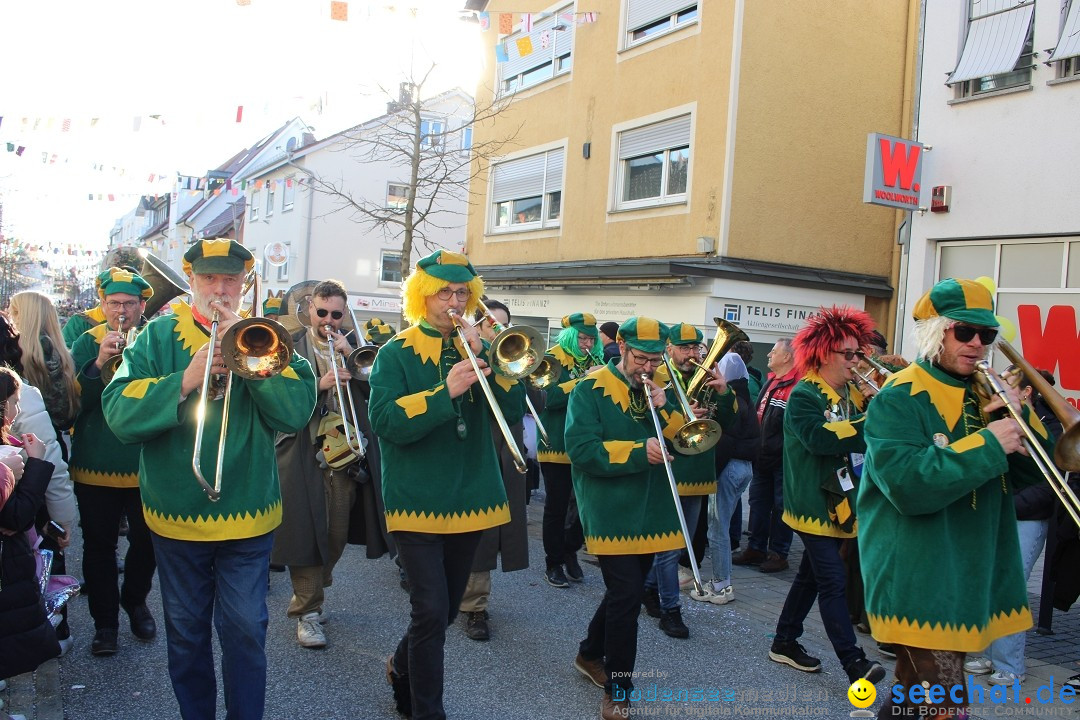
<point>893,172</point>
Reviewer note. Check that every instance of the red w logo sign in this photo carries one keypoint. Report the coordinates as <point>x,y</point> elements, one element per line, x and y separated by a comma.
<point>899,165</point>
<point>1055,346</point>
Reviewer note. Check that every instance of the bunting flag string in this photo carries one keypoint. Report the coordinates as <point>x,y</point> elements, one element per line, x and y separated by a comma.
<point>528,20</point>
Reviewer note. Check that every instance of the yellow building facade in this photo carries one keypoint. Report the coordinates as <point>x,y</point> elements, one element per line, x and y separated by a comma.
<point>695,159</point>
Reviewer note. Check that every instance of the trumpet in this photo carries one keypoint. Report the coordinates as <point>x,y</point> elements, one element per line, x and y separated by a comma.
<point>254,348</point>
<point>674,488</point>
<point>697,435</point>
<point>500,419</point>
<point>108,370</point>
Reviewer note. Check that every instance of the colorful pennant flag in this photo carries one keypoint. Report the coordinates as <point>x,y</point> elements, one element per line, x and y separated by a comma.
<point>339,10</point>
<point>484,18</point>
<point>66,126</point>
<point>501,55</point>
<point>239,112</point>
<point>526,22</point>
<point>545,39</point>
<point>524,46</point>
<point>506,26</point>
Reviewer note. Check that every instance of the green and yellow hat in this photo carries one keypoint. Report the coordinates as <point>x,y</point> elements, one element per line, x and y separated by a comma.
<point>378,332</point>
<point>117,280</point>
<point>644,334</point>
<point>964,300</point>
<point>449,266</point>
<point>684,334</point>
<point>583,323</point>
<point>218,255</point>
<point>272,305</point>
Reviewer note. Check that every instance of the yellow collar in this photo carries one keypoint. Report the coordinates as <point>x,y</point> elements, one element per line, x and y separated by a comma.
<point>946,392</point>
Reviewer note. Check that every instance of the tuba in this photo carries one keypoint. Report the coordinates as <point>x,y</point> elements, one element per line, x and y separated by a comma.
<point>727,334</point>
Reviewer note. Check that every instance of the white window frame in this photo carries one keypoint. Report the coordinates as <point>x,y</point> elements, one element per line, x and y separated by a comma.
<point>680,139</point>
<point>253,213</point>
<point>433,132</point>
<point>270,192</point>
<point>674,15</point>
<point>288,194</point>
<point>551,192</point>
<point>1020,76</point>
<point>382,267</point>
<point>558,58</point>
<point>1067,68</point>
<point>391,206</point>
<point>283,270</point>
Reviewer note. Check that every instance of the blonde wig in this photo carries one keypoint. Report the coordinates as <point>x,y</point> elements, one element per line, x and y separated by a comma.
<point>420,285</point>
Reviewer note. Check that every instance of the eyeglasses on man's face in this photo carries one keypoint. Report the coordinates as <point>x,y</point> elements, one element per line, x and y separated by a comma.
<point>446,293</point>
<point>117,305</point>
<point>323,312</point>
<point>849,355</point>
<point>645,359</point>
<point>966,333</point>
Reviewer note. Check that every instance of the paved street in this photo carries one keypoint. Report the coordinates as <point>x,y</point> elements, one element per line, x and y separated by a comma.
<point>525,671</point>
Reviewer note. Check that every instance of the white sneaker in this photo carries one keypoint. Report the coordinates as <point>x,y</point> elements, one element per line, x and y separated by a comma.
<point>66,644</point>
<point>1004,678</point>
<point>978,666</point>
<point>686,579</point>
<point>309,632</point>
<point>713,594</point>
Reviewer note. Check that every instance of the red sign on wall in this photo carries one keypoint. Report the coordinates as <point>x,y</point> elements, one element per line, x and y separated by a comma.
<point>1053,345</point>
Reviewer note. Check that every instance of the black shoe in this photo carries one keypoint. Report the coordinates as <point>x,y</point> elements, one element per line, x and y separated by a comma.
<point>142,622</point>
<point>476,626</point>
<point>573,568</point>
<point>104,643</point>
<point>887,649</point>
<point>555,578</point>
<point>400,685</point>
<point>795,655</point>
<point>867,669</point>
<point>672,624</point>
<point>651,601</point>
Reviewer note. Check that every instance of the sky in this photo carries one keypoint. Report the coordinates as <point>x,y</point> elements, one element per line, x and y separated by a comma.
<point>153,88</point>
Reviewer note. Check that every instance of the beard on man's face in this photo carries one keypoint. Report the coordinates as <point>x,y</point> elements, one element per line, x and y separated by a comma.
<point>202,304</point>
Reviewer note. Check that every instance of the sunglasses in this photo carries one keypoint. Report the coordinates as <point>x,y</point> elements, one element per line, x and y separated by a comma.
<point>323,312</point>
<point>965,334</point>
<point>849,355</point>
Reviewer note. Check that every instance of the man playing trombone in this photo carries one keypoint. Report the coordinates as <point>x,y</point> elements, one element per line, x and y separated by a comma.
<point>213,555</point>
<point>319,468</point>
<point>442,482</point>
<point>940,555</point>
<point>106,472</point>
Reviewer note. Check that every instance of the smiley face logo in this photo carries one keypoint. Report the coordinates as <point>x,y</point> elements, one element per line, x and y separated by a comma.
<point>862,693</point>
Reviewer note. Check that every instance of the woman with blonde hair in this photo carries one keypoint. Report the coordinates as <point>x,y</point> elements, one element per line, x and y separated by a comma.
<point>46,362</point>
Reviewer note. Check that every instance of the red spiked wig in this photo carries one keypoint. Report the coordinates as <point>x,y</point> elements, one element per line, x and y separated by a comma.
<point>826,331</point>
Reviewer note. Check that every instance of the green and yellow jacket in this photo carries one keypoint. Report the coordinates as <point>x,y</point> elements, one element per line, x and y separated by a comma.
<point>553,416</point>
<point>938,540</point>
<point>97,455</point>
<point>79,323</point>
<point>433,479</point>
<point>625,502</point>
<point>142,405</point>
<point>821,431</point>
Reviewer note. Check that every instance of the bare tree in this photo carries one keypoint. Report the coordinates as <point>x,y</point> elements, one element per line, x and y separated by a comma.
<point>439,171</point>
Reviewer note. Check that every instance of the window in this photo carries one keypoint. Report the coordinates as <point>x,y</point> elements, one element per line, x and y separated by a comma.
<point>647,19</point>
<point>288,194</point>
<point>547,52</point>
<point>432,133</point>
<point>270,191</point>
<point>390,267</point>
<point>1066,54</point>
<point>397,196</point>
<point>999,48</point>
<point>254,214</point>
<point>466,138</point>
<point>654,164</point>
<point>283,270</point>
<point>526,193</point>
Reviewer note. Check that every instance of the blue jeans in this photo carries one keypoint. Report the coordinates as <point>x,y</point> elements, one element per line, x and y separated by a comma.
<point>664,574</point>
<point>820,577</point>
<point>731,483</point>
<point>768,531</point>
<point>225,582</point>
<point>1007,653</point>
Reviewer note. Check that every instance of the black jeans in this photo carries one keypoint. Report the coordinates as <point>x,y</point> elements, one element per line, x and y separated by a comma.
<point>559,540</point>
<point>768,531</point>
<point>438,567</point>
<point>612,633</point>
<point>100,509</point>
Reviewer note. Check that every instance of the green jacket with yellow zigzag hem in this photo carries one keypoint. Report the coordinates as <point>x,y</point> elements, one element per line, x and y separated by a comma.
<point>97,455</point>
<point>625,502</point>
<point>815,447</point>
<point>936,501</point>
<point>142,405</point>
<point>79,323</point>
<point>433,480</point>
<point>696,474</point>
<point>553,416</point>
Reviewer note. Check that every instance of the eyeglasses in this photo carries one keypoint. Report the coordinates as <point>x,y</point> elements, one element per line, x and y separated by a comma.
<point>849,355</point>
<point>323,312</point>
<point>966,333</point>
<point>644,359</point>
<point>446,293</point>
<point>116,305</point>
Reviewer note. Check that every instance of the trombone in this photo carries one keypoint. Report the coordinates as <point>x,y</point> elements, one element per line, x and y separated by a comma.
<point>1066,452</point>
<point>671,481</point>
<point>513,353</point>
<point>511,444</point>
<point>697,435</point>
<point>254,348</point>
<point>361,359</point>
